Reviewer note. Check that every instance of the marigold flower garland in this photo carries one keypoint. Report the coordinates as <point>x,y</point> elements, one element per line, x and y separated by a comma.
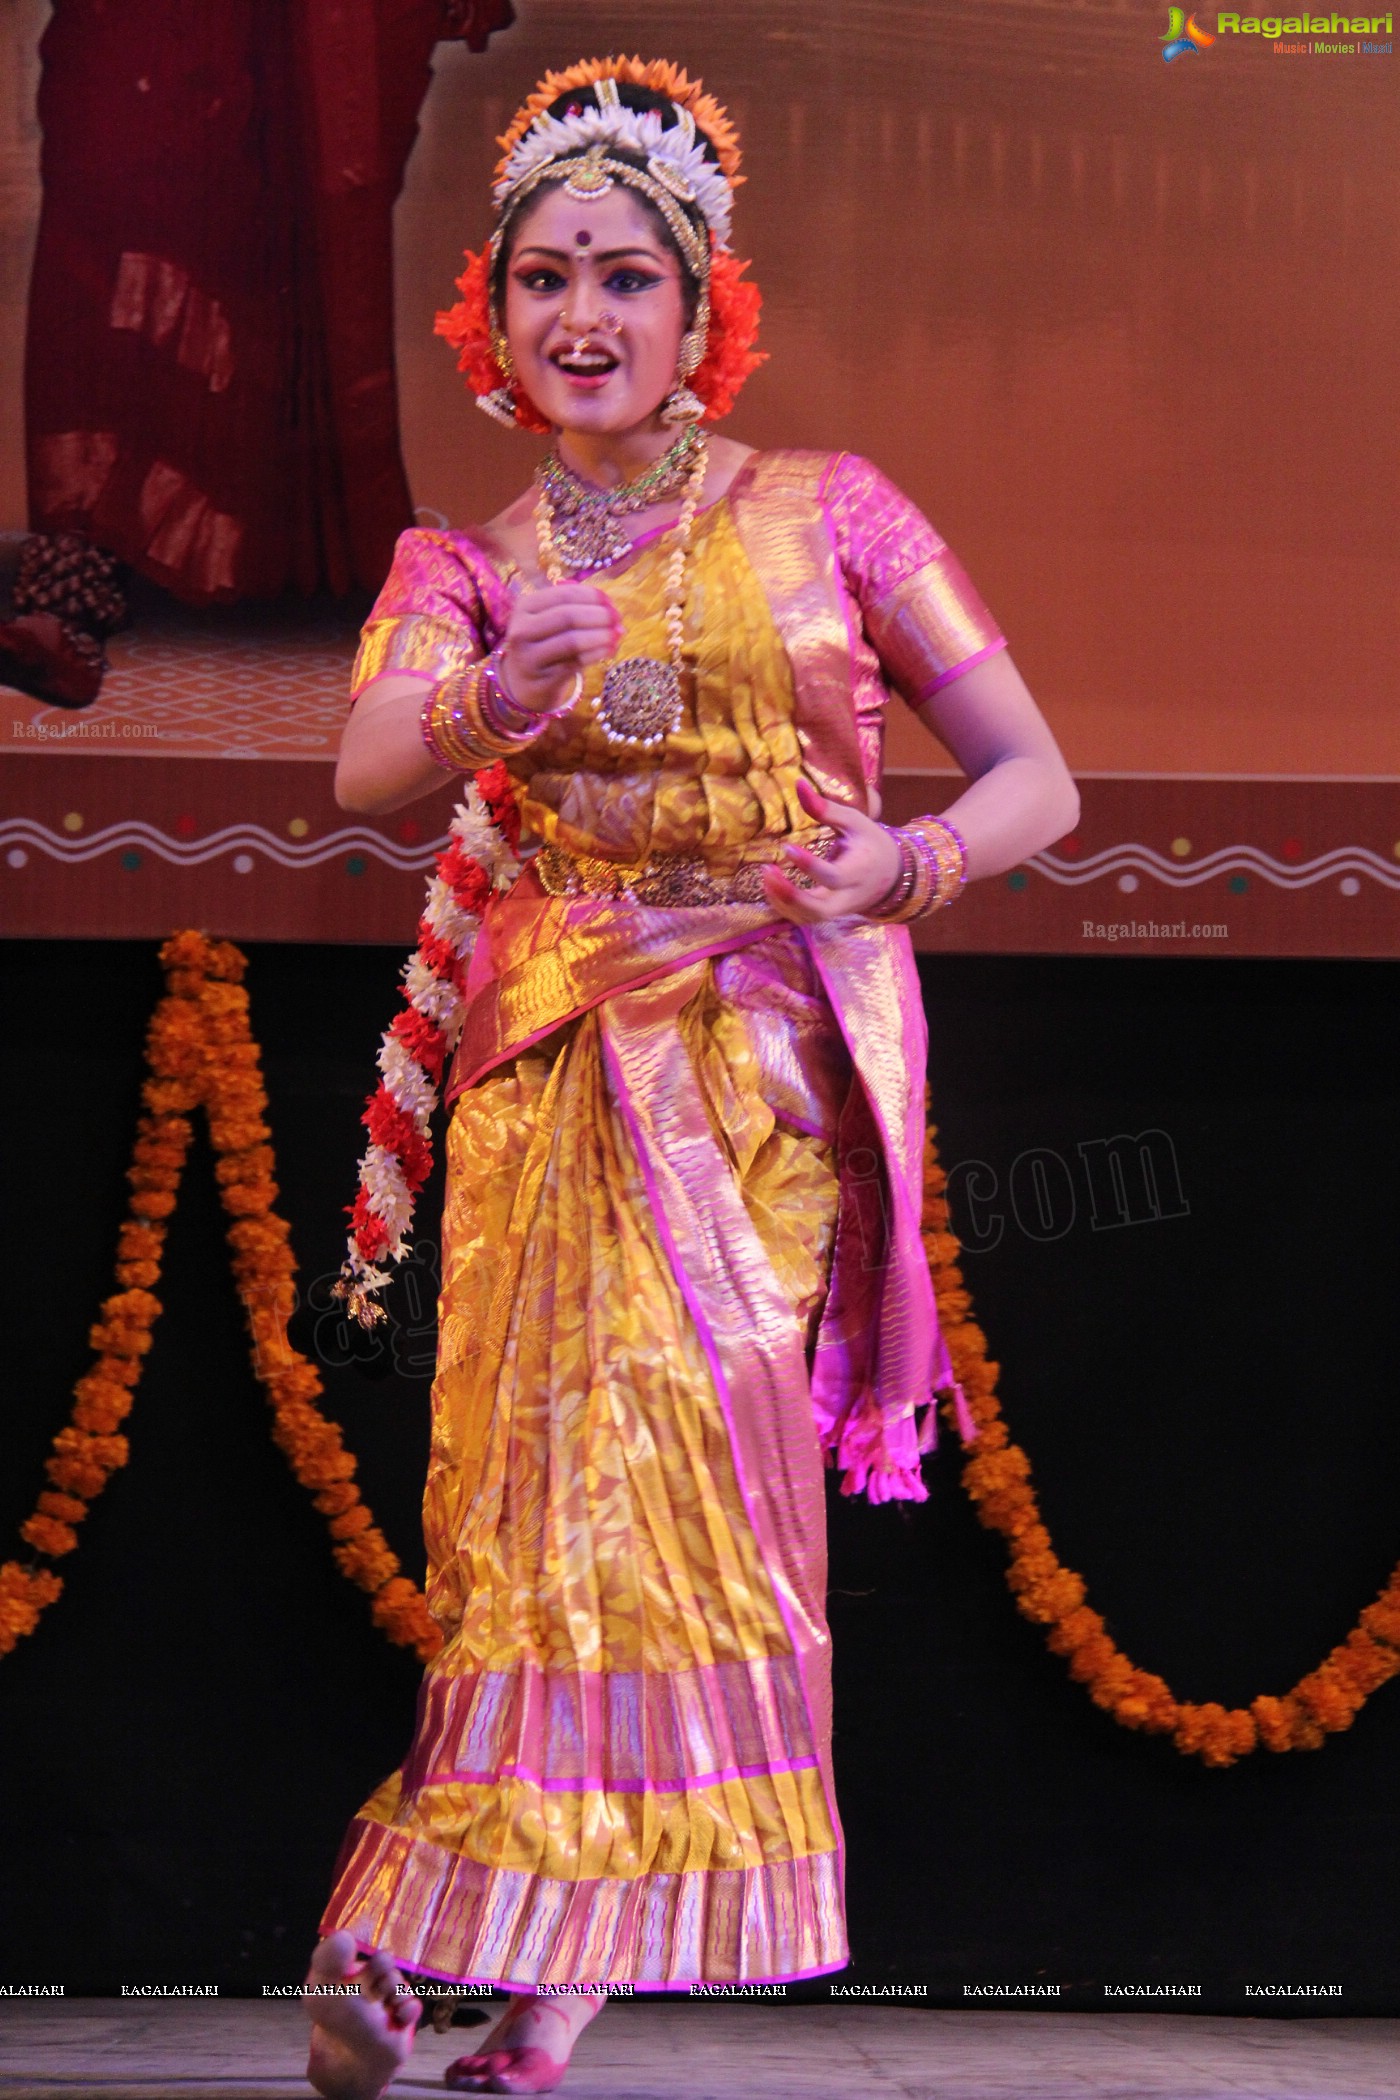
<point>997,1476</point>
<point>201,1052</point>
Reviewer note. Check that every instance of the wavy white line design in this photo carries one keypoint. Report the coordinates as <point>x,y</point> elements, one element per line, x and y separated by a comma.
<point>1229,860</point>
<point>217,845</point>
<point>417,859</point>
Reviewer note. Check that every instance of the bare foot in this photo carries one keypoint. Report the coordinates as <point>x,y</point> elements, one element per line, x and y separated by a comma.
<point>359,2039</point>
<point>530,2048</point>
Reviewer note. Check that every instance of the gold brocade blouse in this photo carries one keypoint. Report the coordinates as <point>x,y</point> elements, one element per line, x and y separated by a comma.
<point>814,589</point>
<point>726,778</point>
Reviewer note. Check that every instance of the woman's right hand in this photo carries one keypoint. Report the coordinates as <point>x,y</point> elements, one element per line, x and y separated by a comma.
<point>554,631</point>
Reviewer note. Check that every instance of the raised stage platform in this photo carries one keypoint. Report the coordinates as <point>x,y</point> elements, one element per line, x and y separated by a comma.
<point>683,2050</point>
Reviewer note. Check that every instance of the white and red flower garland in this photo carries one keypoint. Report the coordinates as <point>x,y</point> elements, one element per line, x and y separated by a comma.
<point>480,859</point>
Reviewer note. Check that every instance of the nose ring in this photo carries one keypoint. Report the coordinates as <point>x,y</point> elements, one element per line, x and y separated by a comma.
<point>608,323</point>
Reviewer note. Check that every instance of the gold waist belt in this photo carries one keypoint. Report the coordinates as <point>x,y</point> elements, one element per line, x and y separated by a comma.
<point>669,880</point>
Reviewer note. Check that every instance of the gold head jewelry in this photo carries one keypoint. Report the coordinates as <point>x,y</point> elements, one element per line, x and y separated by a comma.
<point>682,156</point>
<point>686,168</point>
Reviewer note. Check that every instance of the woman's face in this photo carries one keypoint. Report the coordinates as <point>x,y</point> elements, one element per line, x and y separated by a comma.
<point>594,311</point>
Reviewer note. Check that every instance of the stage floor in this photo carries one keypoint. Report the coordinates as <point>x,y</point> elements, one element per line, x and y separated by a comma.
<point>681,2050</point>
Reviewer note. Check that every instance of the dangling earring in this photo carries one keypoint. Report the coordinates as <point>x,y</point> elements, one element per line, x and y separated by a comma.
<point>682,404</point>
<point>499,404</point>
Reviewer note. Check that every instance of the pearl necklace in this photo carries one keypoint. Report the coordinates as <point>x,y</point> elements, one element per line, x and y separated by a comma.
<point>640,700</point>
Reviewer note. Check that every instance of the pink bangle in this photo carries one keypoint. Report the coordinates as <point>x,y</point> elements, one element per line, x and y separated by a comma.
<point>894,904</point>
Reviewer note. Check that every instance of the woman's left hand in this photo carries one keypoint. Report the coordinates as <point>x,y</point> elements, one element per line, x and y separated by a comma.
<point>860,873</point>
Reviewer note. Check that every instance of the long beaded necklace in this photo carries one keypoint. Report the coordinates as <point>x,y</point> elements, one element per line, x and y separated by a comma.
<point>640,699</point>
<point>586,519</point>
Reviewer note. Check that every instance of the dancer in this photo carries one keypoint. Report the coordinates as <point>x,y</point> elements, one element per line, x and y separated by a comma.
<point>681,1256</point>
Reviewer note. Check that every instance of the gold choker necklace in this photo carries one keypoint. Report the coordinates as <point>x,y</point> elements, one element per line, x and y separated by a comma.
<point>586,520</point>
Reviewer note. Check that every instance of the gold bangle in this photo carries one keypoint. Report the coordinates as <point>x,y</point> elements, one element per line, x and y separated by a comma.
<point>456,727</point>
<point>439,730</point>
<point>941,848</point>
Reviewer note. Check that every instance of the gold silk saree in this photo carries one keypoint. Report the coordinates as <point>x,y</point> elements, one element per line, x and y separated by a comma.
<point>681,1272</point>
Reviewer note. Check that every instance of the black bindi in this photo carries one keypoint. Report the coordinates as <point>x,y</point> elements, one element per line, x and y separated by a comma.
<point>583,239</point>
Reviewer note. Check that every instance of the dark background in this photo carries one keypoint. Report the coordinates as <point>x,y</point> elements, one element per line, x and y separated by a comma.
<point>1208,1400</point>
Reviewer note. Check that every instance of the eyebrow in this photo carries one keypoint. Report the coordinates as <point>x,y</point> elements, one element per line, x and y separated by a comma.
<point>603,254</point>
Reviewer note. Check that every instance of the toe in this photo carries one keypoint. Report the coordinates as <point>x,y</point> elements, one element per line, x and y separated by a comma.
<point>332,1959</point>
<point>379,1974</point>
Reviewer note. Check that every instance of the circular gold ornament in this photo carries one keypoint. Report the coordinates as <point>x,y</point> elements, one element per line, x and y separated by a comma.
<point>640,702</point>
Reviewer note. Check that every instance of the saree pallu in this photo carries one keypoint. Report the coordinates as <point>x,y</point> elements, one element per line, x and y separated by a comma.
<point>621,1769</point>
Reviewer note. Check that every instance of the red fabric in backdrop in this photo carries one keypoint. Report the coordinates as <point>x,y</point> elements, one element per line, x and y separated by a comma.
<point>209,375</point>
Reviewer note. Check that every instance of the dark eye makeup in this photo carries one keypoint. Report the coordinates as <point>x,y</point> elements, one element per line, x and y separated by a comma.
<point>623,278</point>
<point>540,278</point>
<point>631,278</point>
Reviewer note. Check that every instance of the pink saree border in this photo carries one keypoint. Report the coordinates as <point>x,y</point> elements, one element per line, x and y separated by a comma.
<point>828,1968</point>
<point>626,1725</point>
<point>400,1894</point>
<point>716,1219</point>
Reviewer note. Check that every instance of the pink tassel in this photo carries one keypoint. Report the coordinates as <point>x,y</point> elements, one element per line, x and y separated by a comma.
<point>881,1458</point>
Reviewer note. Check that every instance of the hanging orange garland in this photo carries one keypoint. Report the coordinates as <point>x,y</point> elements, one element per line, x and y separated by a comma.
<point>997,1476</point>
<point>201,1053</point>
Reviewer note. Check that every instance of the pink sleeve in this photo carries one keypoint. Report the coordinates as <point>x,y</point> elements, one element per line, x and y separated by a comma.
<point>432,615</point>
<point>920,610</point>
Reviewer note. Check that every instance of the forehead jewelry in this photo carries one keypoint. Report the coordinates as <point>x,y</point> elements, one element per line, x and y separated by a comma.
<point>591,175</point>
<point>588,179</point>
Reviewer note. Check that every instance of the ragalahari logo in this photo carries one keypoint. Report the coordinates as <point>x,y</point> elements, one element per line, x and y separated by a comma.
<point>1184,33</point>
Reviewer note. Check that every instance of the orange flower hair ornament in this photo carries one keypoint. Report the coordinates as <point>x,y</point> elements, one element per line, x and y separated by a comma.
<point>667,163</point>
